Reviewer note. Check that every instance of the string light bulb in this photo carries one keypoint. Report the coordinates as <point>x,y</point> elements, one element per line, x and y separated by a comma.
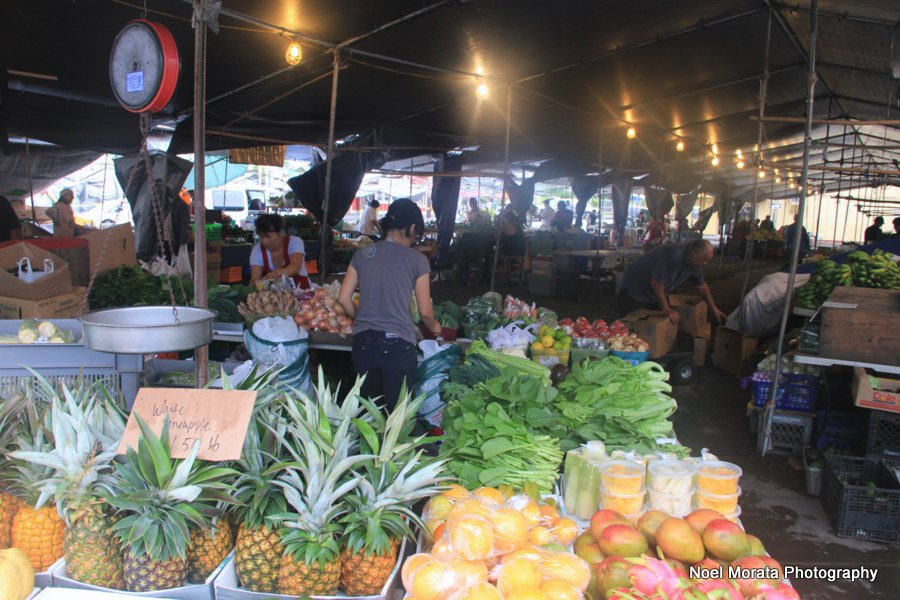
<point>294,53</point>
<point>739,154</point>
<point>631,133</point>
<point>777,179</point>
<point>715,161</point>
<point>679,146</point>
<point>762,174</point>
<point>740,164</point>
<point>715,148</point>
<point>791,185</point>
<point>482,91</point>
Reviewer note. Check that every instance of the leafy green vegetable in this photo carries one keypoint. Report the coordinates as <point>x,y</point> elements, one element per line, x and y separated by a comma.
<point>522,365</point>
<point>473,371</point>
<point>224,300</point>
<point>133,286</point>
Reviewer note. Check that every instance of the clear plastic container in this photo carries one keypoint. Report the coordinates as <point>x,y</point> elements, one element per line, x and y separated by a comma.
<point>624,503</point>
<point>724,503</point>
<point>735,516</point>
<point>622,477</point>
<point>718,477</point>
<point>675,505</point>
<point>671,476</point>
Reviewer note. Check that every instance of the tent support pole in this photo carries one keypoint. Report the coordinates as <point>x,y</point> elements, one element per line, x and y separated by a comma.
<point>795,247</point>
<point>325,233</point>
<point>824,160</point>
<point>201,355</point>
<point>30,183</point>
<point>763,94</point>
<point>503,193</point>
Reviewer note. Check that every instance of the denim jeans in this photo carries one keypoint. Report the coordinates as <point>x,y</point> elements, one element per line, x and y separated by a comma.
<point>386,361</point>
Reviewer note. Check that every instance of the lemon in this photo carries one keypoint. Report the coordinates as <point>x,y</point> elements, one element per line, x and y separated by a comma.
<point>548,341</point>
<point>537,346</point>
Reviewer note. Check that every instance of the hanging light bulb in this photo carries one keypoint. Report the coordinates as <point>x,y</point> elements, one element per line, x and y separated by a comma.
<point>294,53</point>
<point>482,91</point>
<point>740,164</point>
<point>715,161</point>
<point>762,174</point>
<point>777,179</point>
<point>631,133</point>
<point>739,154</point>
<point>679,146</point>
<point>791,184</point>
<point>715,148</point>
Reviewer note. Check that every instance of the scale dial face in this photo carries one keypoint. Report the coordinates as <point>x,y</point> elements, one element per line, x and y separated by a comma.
<point>143,66</point>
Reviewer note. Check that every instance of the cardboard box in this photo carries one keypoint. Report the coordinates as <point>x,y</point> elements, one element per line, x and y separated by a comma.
<point>733,351</point>
<point>57,283</point>
<point>654,328</point>
<point>701,350</point>
<point>119,249</point>
<point>705,332</point>
<point>886,397</point>
<point>693,311</point>
<point>64,306</point>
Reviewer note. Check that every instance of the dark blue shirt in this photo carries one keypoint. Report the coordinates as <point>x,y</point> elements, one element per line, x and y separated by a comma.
<point>667,265</point>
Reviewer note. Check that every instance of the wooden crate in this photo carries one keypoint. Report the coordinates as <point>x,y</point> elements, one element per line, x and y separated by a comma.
<point>862,327</point>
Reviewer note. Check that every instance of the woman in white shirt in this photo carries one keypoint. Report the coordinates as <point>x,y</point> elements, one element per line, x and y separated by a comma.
<point>368,224</point>
<point>277,254</point>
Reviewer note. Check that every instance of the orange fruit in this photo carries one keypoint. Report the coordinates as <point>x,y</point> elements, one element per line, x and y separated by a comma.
<point>409,567</point>
<point>442,549</point>
<point>518,574</point>
<point>532,514</point>
<point>479,591</point>
<point>472,507</point>
<point>491,494</point>
<point>471,538</point>
<point>438,531</point>
<point>568,567</point>
<point>470,571</point>
<point>549,513</point>
<point>565,531</point>
<point>529,552</point>
<point>433,581</point>
<point>529,594</point>
<point>510,530</point>
<point>540,536</point>
<point>437,508</point>
<point>455,492</point>
<point>557,589</point>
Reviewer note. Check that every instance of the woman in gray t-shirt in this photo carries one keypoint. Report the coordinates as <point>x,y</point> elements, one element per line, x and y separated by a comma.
<point>387,274</point>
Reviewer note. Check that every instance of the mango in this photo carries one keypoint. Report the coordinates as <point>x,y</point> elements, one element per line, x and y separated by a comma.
<point>756,546</point>
<point>677,539</point>
<point>603,518</point>
<point>623,540</point>
<point>612,573</point>
<point>648,524</point>
<point>725,540</point>
<point>701,517</point>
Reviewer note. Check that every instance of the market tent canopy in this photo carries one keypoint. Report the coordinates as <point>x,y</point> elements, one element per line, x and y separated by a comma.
<point>219,171</point>
<point>580,72</point>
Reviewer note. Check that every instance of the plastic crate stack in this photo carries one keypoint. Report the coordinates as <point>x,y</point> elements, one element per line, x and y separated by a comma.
<point>793,419</point>
<point>862,497</point>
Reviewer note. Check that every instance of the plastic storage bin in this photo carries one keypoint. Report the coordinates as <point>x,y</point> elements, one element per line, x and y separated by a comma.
<point>66,363</point>
<point>635,358</point>
<point>857,510</point>
<point>791,432</point>
<point>795,392</point>
<point>550,357</point>
<point>884,434</point>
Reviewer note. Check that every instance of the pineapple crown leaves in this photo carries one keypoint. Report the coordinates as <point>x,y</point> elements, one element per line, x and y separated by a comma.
<point>159,497</point>
<point>258,468</point>
<point>383,507</point>
<point>256,380</point>
<point>85,430</point>
<point>395,429</point>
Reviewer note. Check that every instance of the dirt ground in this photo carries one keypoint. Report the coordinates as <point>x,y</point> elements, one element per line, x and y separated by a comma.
<point>712,414</point>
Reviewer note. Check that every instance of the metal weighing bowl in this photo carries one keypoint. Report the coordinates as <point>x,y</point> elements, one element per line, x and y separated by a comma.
<point>147,329</point>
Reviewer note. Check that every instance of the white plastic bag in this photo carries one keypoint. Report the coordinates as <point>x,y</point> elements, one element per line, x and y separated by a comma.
<point>278,329</point>
<point>29,275</point>
<point>183,262</point>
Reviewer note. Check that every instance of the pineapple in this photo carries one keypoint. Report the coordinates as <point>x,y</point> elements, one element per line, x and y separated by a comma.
<point>315,487</point>
<point>86,429</point>
<point>208,548</point>
<point>395,479</point>
<point>158,499</point>
<point>36,530</point>
<point>9,504</point>
<point>258,550</point>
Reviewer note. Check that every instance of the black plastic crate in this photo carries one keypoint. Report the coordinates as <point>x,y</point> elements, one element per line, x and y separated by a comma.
<point>884,434</point>
<point>856,509</point>
<point>840,432</point>
<point>791,432</point>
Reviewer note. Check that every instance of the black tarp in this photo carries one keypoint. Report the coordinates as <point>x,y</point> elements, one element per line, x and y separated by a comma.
<point>621,198</point>
<point>347,171</point>
<point>48,163</point>
<point>169,173</point>
<point>521,196</point>
<point>659,200</point>
<point>444,201</point>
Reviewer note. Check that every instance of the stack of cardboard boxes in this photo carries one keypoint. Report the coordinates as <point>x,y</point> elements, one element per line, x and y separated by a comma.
<point>655,328</point>
<point>695,321</point>
<point>53,294</point>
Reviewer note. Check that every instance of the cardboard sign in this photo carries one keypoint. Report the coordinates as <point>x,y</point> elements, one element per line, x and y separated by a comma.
<point>219,419</point>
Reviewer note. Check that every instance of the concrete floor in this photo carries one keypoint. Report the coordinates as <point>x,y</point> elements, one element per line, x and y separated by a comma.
<point>711,414</point>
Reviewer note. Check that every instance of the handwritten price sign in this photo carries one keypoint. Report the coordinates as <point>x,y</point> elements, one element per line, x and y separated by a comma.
<point>217,418</point>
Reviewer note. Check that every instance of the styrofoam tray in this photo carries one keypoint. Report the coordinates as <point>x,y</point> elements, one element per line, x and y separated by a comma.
<point>198,591</point>
<point>56,593</point>
<point>226,584</point>
<point>45,578</point>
